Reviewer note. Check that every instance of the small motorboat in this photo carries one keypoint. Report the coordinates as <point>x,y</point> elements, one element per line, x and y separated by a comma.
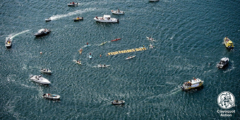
<point>118,102</point>
<point>131,57</point>
<point>51,96</point>
<point>77,19</point>
<point>46,71</point>
<point>40,79</point>
<point>102,66</point>
<point>228,43</point>
<point>116,39</point>
<point>90,56</point>
<point>150,38</point>
<point>8,43</point>
<point>223,62</point>
<point>106,19</point>
<point>79,62</point>
<point>192,84</point>
<point>48,20</point>
<point>72,4</point>
<point>103,43</point>
<point>42,32</point>
<point>117,12</point>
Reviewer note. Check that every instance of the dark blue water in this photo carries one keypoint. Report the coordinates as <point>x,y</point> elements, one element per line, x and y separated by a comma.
<point>189,43</point>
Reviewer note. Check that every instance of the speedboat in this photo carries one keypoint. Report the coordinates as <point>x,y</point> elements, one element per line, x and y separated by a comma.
<point>48,20</point>
<point>228,43</point>
<point>8,43</point>
<point>51,96</point>
<point>150,38</point>
<point>192,84</point>
<point>78,19</point>
<point>103,43</point>
<point>40,79</point>
<point>46,71</point>
<point>72,4</point>
<point>42,32</point>
<point>131,57</point>
<point>106,19</point>
<point>102,66</point>
<point>118,102</point>
<point>223,62</point>
<point>116,39</point>
<point>117,12</point>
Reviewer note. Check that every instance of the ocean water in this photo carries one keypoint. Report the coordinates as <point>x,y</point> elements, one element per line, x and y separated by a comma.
<point>189,43</point>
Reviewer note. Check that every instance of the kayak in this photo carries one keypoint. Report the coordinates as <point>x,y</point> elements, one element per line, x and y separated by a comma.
<point>131,57</point>
<point>116,39</point>
<point>72,4</point>
<point>90,57</point>
<point>151,39</point>
<point>102,66</point>
<point>79,62</point>
<point>78,19</point>
<point>103,43</point>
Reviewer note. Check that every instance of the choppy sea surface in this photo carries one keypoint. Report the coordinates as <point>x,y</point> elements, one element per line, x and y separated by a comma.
<point>189,43</point>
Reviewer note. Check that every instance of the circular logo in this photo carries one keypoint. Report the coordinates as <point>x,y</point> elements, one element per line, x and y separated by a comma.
<point>226,100</point>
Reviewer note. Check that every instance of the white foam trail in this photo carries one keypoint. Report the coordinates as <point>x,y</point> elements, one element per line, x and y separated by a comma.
<point>55,17</point>
<point>12,36</point>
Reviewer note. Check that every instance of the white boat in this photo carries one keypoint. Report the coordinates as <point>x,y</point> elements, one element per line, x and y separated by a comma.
<point>51,96</point>
<point>8,43</point>
<point>117,12</point>
<point>106,19</point>
<point>72,4</point>
<point>131,57</point>
<point>150,38</point>
<point>118,102</point>
<point>47,71</point>
<point>102,66</point>
<point>42,32</point>
<point>90,56</point>
<point>40,79</point>
<point>192,84</point>
<point>223,62</point>
<point>79,62</point>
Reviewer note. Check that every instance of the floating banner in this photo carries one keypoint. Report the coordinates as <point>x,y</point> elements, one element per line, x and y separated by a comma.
<point>127,51</point>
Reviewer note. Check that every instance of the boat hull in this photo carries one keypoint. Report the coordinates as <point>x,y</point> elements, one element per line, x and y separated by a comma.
<point>107,21</point>
<point>116,39</point>
<point>190,88</point>
<point>117,13</point>
<point>47,20</point>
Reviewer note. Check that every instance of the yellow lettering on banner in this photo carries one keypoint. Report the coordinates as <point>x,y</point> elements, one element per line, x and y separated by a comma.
<point>129,50</point>
<point>137,49</point>
<point>133,50</point>
<point>125,51</point>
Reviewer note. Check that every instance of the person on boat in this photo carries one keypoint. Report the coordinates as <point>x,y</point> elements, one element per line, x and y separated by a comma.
<point>72,2</point>
<point>89,53</point>
<point>87,43</point>
<point>96,17</point>
<point>118,11</point>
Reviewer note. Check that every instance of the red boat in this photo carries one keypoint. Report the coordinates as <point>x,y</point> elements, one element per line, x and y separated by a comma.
<point>116,39</point>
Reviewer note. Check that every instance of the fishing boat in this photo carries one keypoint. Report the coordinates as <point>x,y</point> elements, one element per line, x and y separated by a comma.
<point>118,102</point>
<point>48,20</point>
<point>150,38</point>
<point>228,43</point>
<point>117,12</point>
<point>131,57</point>
<point>51,96</point>
<point>192,84</point>
<point>8,43</point>
<point>72,4</point>
<point>42,32</point>
<point>116,39</point>
<point>46,71</point>
<point>223,62</point>
<point>106,19</point>
<point>40,79</point>
<point>102,66</point>
<point>77,19</point>
<point>103,43</point>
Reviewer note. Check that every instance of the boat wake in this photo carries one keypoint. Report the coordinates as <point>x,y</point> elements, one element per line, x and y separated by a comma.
<point>11,36</point>
<point>56,17</point>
